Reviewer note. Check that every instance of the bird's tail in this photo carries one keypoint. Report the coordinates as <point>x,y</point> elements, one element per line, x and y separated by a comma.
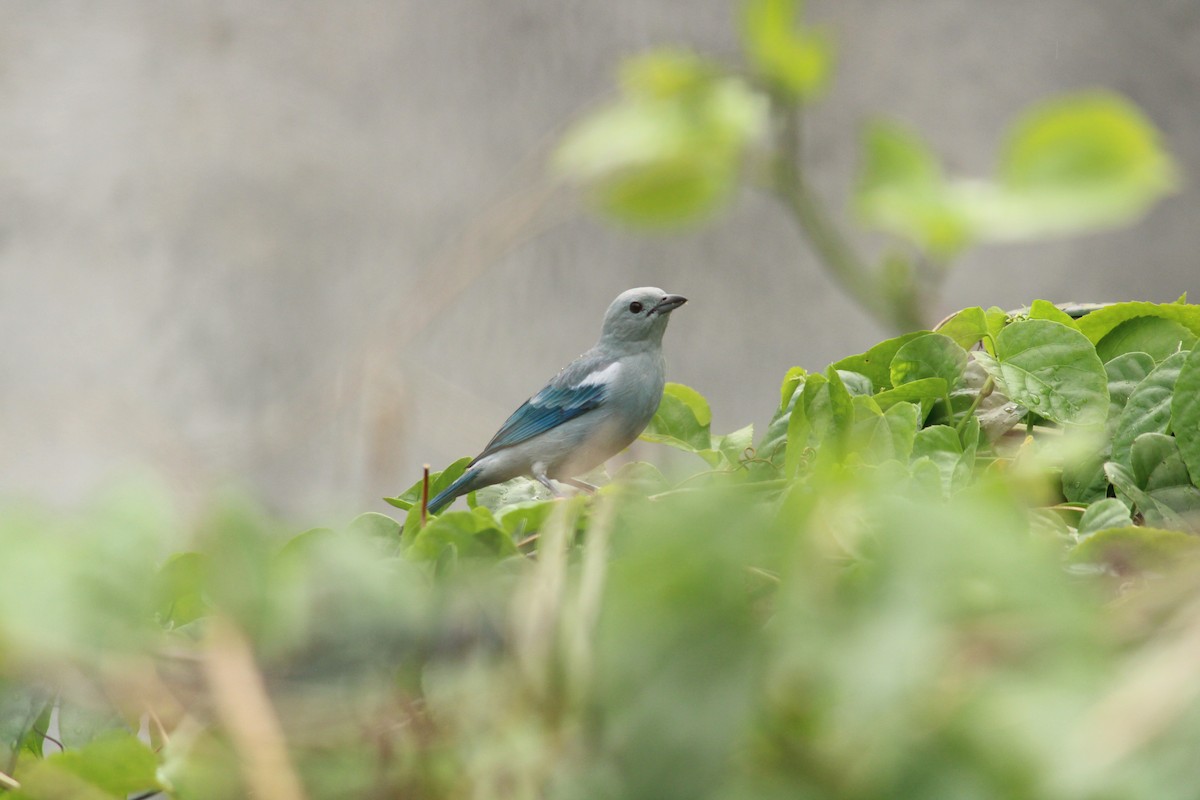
<point>460,487</point>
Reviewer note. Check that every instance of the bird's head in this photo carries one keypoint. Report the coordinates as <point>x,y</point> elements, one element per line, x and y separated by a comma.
<point>639,316</point>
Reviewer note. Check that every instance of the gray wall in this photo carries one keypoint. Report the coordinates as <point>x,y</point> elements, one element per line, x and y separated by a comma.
<point>308,246</point>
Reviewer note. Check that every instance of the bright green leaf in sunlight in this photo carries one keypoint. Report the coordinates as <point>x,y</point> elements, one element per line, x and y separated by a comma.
<point>901,190</point>
<point>1099,323</point>
<point>1185,414</point>
<point>1052,370</point>
<point>791,56</point>
<point>883,436</point>
<point>682,420</point>
<point>966,327</point>
<point>669,151</point>
<point>929,356</point>
<point>1083,161</point>
<point>1044,309</point>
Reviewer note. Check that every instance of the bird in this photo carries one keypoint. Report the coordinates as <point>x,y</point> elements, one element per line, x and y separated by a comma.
<point>591,410</point>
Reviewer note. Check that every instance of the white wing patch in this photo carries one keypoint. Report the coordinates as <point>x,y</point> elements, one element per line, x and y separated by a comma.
<point>602,377</point>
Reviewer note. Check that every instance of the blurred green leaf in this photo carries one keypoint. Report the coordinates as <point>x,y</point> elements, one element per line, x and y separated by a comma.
<point>179,589</point>
<point>1106,513</point>
<point>1185,413</point>
<point>827,407</point>
<point>1136,549</point>
<point>462,534</point>
<point>940,444</point>
<point>669,151</point>
<point>1051,369</point>
<point>901,189</point>
<point>1078,162</point>
<point>793,57</point>
<point>108,768</point>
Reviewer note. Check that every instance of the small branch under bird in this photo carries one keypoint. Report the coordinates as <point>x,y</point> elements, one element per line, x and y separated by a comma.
<point>591,410</point>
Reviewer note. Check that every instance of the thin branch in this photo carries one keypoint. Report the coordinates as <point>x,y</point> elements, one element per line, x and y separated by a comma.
<point>855,277</point>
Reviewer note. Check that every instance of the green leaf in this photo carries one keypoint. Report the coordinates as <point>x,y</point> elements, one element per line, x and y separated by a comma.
<point>1148,409</point>
<point>1185,413</point>
<point>827,406</point>
<point>438,481</point>
<point>940,444</point>
<point>1160,472</point>
<point>462,534</point>
<point>373,525</point>
<point>1102,321</point>
<point>1155,512</point>
<point>925,392</point>
<point>1084,479</point>
<point>1106,513</point>
<point>932,355</point>
<point>1080,162</point>
<point>1124,373</point>
<point>1044,309</point>
<point>795,58</point>
<point>682,420</point>
<point>901,190</point>
<point>879,436</point>
<point>1052,370</point>
<point>180,589</point>
<point>734,445</point>
<point>20,706</point>
<point>856,383</point>
<point>670,150</point>
<point>792,381</point>
<point>966,327</point>
<point>108,768</point>
<point>876,362</point>
<point>1155,336</point>
<point>1135,549</point>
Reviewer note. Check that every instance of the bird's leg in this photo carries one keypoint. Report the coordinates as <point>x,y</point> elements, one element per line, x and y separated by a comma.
<point>540,476</point>
<point>583,486</point>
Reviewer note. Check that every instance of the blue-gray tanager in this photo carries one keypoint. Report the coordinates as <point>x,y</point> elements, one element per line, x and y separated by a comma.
<point>590,411</point>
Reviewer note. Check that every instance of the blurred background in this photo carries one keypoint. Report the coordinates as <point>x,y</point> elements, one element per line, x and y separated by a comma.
<point>307,247</point>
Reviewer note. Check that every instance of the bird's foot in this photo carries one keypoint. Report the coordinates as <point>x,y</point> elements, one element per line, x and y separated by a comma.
<point>582,486</point>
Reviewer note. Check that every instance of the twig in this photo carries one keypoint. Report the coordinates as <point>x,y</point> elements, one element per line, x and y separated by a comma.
<point>242,703</point>
<point>851,273</point>
<point>425,497</point>
<point>9,781</point>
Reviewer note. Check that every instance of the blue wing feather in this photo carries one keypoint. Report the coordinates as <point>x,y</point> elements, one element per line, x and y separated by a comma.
<point>564,398</point>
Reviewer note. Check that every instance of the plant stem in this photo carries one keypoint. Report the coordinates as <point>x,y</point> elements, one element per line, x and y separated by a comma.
<point>899,310</point>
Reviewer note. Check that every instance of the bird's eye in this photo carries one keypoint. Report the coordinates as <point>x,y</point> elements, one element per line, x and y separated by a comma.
<point>635,307</point>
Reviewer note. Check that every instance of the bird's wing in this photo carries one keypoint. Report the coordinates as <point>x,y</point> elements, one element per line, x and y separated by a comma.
<point>580,387</point>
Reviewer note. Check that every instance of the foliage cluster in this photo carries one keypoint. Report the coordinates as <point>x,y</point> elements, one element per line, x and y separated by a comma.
<point>960,564</point>
<point>688,130</point>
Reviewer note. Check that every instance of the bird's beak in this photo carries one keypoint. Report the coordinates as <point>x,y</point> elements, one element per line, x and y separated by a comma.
<point>668,304</point>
